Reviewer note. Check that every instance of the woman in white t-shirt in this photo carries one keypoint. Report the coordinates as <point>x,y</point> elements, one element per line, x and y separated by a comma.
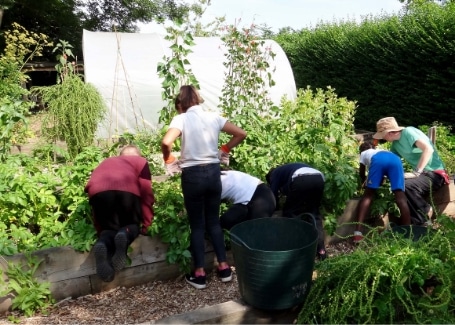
<point>250,197</point>
<point>199,162</point>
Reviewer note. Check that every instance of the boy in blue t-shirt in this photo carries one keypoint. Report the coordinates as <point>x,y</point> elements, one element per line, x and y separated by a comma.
<point>380,163</point>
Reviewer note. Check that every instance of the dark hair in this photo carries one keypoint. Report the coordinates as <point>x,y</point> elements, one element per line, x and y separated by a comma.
<point>365,146</point>
<point>177,103</point>
<point>188,97</point>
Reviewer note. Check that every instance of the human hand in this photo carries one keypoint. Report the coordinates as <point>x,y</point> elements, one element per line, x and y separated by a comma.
<point>409,175</point>
<point>223,155</point>
<point>172,166</point>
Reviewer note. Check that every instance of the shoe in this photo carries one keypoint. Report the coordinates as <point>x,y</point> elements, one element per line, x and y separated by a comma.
<point>427,223</point>
<point>120,258</point>
<point>199,282</point>
<point>225,275</point>
<point>430,213</point>
<point>322,254</point>
<point>104,267</point>
<point>358,237</point>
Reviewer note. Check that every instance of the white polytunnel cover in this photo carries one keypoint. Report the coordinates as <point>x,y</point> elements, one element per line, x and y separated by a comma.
<point>123,67</point>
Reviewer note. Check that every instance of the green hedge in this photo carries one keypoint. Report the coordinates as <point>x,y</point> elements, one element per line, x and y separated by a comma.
<point>401,65</point>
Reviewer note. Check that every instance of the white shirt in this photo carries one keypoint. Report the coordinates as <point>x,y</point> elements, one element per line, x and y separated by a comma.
<point>365,156</point>
<point>238,187</point>
<point>305,171</point>
<point>200,134</point>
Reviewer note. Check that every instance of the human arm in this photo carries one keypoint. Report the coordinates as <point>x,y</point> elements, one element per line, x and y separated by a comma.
<point>147,198</point>
<point>168,140</point>
<point>427,152</point>
<point>362,174</point>
<point>238,135</point>
<point>172,164</point>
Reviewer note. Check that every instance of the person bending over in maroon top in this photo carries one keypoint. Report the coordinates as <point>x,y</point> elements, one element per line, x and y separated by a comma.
<point>121,197</point>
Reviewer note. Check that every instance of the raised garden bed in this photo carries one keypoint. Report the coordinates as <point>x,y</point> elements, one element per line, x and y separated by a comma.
<point>72,274</point>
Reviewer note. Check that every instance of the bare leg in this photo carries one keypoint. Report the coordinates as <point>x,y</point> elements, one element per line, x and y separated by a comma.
<point>364,206</point>
<point>405,213</point>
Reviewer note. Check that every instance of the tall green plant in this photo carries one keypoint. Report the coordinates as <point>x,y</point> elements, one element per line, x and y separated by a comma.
<point>248,77</point>
<point>75,108</point>
<point>175,69</point>
<point>245,98</point>
<point>171,224</point>
<point>21,46</point>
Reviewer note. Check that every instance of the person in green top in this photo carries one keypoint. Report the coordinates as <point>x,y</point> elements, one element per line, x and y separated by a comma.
<point>417,150</point>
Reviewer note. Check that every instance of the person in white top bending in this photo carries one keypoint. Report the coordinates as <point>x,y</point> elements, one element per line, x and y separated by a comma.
<point>250,197</point>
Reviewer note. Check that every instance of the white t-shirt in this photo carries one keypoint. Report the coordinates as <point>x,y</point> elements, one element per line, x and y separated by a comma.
<point>200,135</point>
<point>365,156</point>
<point>238,187</point>
<point>306,171</point>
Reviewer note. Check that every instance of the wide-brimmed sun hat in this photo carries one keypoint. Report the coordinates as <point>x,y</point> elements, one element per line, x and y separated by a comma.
<point>385,125</point>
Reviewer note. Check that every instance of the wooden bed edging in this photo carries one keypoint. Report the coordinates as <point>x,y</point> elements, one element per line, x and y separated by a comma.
<point>73,274</point>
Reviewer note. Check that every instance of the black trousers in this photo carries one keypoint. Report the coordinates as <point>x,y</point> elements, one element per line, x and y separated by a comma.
<point>305,195</point>
<point>417,191</point>
<point>114,211</point>
<point>108,236</point>
<point>261,205</point>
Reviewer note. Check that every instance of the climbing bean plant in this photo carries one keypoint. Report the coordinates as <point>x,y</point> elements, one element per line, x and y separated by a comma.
<point>175,69</point>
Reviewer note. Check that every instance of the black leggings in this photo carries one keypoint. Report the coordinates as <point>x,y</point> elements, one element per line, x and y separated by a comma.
<point>306,195</point>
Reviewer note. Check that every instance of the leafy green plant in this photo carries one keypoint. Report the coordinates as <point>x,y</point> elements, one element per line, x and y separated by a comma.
<point>387,279</point>
<point>29,294</point>
<point>11,114</point>
<point>175,70</point>
<point>170,222</point>
<point>64,67</point>
<point>21,46</point>
<point>75,108</point>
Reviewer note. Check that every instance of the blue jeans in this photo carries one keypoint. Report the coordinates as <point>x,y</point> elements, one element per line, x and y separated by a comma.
<point>201,187</point>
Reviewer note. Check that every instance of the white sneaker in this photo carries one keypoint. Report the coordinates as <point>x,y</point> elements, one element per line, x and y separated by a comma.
<point>358,236</point>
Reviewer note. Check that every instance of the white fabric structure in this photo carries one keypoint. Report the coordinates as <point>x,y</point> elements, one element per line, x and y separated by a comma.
<point>123,67</point>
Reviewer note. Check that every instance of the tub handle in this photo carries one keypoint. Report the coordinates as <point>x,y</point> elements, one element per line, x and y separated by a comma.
<point>302,217</point>
<point>239,240</point>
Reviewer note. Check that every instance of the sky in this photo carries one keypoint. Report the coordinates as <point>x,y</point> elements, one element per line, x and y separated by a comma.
<point>296,14</point>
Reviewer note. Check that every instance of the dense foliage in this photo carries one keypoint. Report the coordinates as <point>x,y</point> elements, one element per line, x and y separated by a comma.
<point>388,279</point>
<point>390,65</point>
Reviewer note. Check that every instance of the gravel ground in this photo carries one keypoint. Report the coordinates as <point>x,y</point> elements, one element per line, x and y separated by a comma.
<point>144,303</point>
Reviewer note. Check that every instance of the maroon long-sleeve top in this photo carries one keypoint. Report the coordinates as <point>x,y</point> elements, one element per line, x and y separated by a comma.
<point>125,173</point>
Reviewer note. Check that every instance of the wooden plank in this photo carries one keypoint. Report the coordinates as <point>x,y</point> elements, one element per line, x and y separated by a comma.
<point>73,288</point>
<point>233,312</point>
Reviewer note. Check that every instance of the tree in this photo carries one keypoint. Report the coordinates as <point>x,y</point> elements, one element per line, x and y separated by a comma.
<point>66,19</point>
<point>4,4</point>
<point>122,15</point>
<point>56,18</point>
